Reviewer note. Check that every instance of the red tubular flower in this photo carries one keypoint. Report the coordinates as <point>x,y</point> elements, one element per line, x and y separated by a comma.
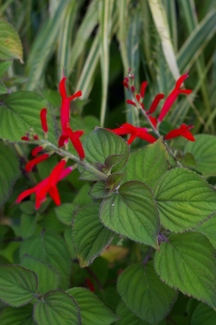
<point>29,166</point>
<point>143,88</point>
<point>182,131</point>
<point>43,114</point>
<point>74,137</point>
<point>130,102</point>
<point>172,97</point>
<point>36,150</point>
<point>155,103</point>
<point>25,138</point>
<point>135,132</point>
<point>47,186</point>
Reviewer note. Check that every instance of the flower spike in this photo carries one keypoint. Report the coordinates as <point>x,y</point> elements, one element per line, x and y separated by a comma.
<point>182,131</point>
<point>43,114</point>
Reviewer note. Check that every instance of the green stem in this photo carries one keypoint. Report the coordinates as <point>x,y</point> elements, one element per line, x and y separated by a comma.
<point>67,154</point>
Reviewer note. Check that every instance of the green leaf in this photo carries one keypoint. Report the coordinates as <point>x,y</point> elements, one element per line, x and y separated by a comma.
<point>113,181</point>
<point>56,308</point>
<point>65,213</point>
<point>92,310</point>
<point>48,278</point>
<point>89,235</point>
<point>101,143</point>
<point>3,88</point>
<point>17,316</point>
<point>17,285</point>
<point>147,164</point>
<point>9,171</point>
<point>28,225</point>
<point>127,317</point>
<point>184,199</point>
<point>203,315</point>
<point>10,44</point>
<point>187,262</point>
<point>132,212</point>
<point>207,228</point>
<point>4,67</point>
<point>204,153</point>
<point>19,112</point>
<point>50,248</point>
<point>99,191</point>
<point>144,293</point>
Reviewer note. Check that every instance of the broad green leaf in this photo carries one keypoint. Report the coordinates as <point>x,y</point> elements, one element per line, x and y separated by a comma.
<point>3,88</point>
<point>204,153</point>
<point>17,316</point>
<point>56,308</point>
<point>65,213</point>
<point>10,44</point>
<point>184,199</point>
<point>187,262</point>
<point>127,317</point>
<point>20,112</point>
<point>89,235</point>
<point>48,278</point>
<point>203,315</point>
<point>3,67</point>
<point>50,248</point>
<point>28,225</point>
<point>17,285</point>
<point>92,310</point>
<point>101,143</point>
<point>208,228</point>
<point>144,293</point>
<point>9,171</point>
<point>132,212</point>
<point>99,190</point>
<point>147,164</point>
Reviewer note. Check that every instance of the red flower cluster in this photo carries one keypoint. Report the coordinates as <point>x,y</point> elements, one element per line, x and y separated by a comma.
<point>48,185</point>
<point>137,132</point>
<point>67,132</point>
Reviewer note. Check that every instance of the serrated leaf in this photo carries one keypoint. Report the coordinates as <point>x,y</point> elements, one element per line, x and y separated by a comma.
<point>48,278</point>
<point>65,213</point>
<point>92,310</point>
<point>17,285</point>
<point>147,164</point>
<point>89,235</point>
<point>17,316</point>
<point>9,171</point>
<point>184,199</point>
<point>28,225</point>
<point>56,308</point>
<point>208,229</point>
<point>203,315</point>
<point>50,248</point>
<point>144,293</point>
<point>10,44</point>
<point>204,153</point>
<point>132,212</point>
<point>19,112</point>
<point>101,143</point>
<point>127,317</point>
<point>113,181</point>
<point>187,262</point>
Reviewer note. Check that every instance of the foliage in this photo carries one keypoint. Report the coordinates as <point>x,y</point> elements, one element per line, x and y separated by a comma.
<point>110,225</point>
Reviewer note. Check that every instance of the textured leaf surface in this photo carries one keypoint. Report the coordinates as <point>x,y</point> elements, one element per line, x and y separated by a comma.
<point>56,308</point>
<point>92,310</point>
<point>19,112</point>
<point>17,316</point>
<point>204,152</point>
<point>187,262</point>
<point>203,315</point>
<point>147,164</point>
<point>10,44</point>
<point>144,293</point>
<point>65,213</point>
<point>132,212</point>
<point>9,171</point>
<point>89,235</point>
<point>184,199</point>
<point>208,228</point>
<point>48,278</point>
<point>127,317</point>
<point>17,285</point>
<point>101,143</point>
<point>50,248</point>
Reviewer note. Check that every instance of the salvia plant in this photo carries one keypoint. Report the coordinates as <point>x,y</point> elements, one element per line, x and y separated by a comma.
<point>109,225</point>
